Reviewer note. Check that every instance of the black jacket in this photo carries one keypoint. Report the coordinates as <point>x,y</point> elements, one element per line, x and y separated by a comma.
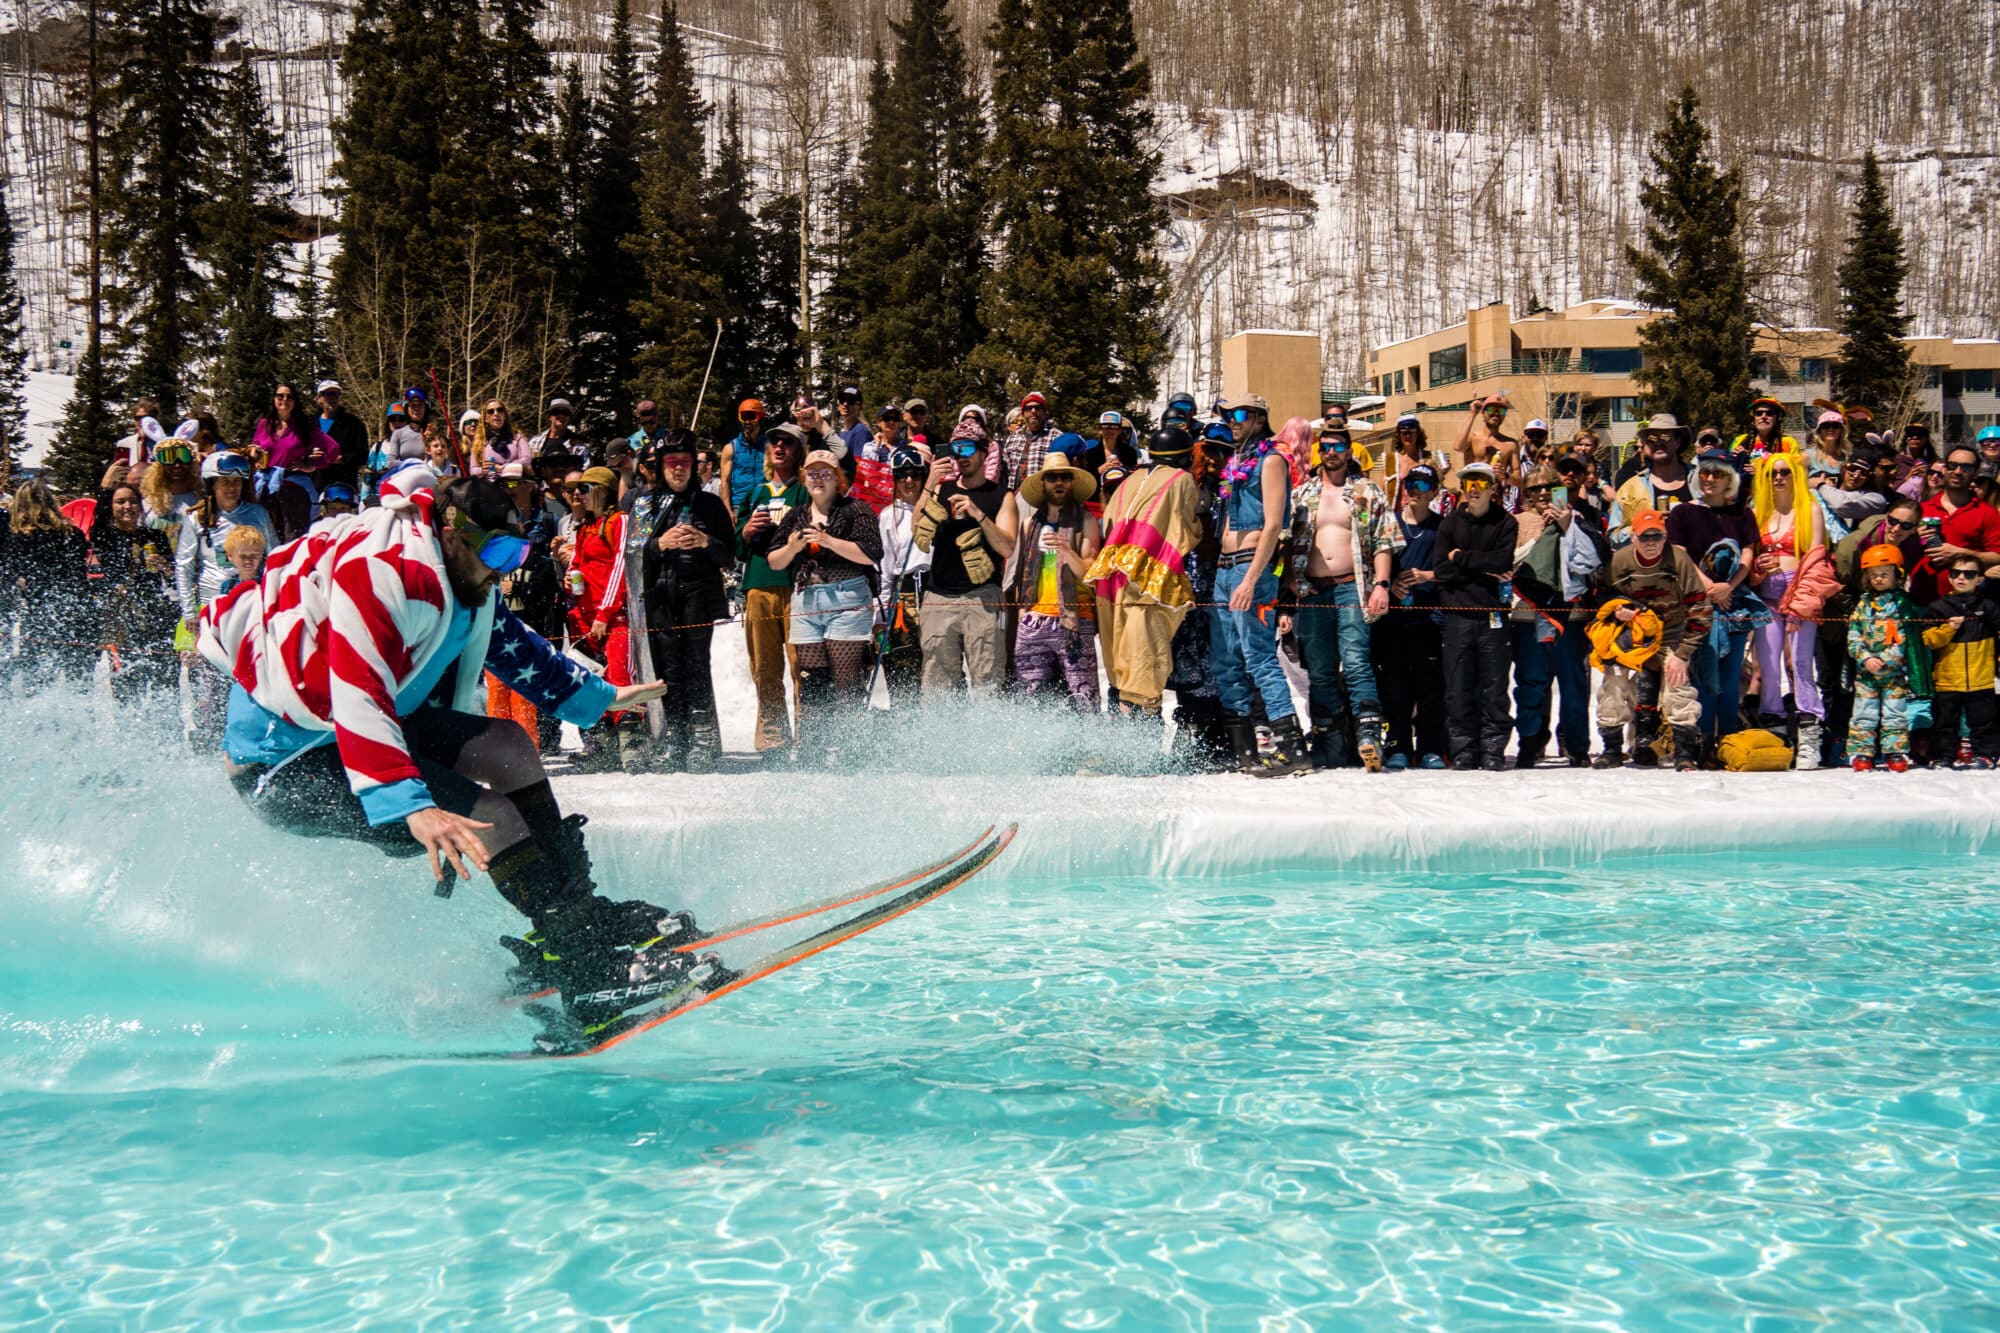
<point>1485,548</point>
<point>685,587</point>
<point>352,437</point>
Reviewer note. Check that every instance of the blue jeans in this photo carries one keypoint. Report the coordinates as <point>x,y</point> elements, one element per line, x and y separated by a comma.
<point>1243,649</point>
<point>1539,668</point>
<point>1333,638</point>
<point>1718,678</point>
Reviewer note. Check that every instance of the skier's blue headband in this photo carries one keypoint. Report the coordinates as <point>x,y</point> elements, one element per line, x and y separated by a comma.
<point>501,552</point>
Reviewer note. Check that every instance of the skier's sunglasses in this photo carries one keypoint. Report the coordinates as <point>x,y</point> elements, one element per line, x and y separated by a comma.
<point>501,552</point>
<point>1239,415</point>
<point>173,455</point>
<point>1958,574</point>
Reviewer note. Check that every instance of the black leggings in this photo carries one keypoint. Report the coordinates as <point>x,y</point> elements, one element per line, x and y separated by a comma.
<point>308,795</point>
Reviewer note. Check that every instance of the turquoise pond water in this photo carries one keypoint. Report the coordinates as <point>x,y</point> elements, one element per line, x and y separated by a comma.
<point>1687,1094</point>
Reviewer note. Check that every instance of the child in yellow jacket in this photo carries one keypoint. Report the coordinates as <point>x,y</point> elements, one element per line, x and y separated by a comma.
<point>1961,639</point>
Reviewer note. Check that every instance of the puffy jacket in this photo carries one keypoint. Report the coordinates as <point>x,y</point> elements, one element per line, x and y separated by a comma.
<point>1812,585</point>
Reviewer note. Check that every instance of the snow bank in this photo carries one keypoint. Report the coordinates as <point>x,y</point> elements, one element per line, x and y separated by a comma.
<point>666,828</point>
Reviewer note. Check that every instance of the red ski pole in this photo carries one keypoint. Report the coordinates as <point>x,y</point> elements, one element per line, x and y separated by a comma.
<point>450,424</point>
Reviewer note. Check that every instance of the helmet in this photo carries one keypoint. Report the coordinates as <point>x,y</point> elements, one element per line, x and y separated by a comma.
<point>1988,433</point>
<point>1169,441</point>
<point>1180,407</point>
<point>1884,554</point>
<point>226,463</point>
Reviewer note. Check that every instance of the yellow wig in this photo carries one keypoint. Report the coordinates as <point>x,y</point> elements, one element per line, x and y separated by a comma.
<point>1764,505</point>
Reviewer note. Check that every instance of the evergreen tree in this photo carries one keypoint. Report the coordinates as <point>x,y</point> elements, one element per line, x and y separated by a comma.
<point>1874,365</point>
<point>678,299</point>
<point>608,272</point>
<point>160,130</point>
<point>13,349</point>
<point>739,256</point>
<point>308,349</point>
<point>842,302</point>
<point>393,142</point>
<point>88,432</point>
<point>771,318</point>
<point>251,183</point>
<point>913,262</point>
<point>1073,307</point>
<point>1697,353</point>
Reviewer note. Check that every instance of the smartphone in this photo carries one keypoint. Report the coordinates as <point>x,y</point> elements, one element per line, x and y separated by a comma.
<point>1559,496</point>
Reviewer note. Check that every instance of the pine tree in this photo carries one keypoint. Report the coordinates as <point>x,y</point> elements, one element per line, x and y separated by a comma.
<point>393,142</point>
<point>160,94</point>
<point>308,349</point>
<point>771,318</point>
<point>609,273</point>
<point>906,311</point>
<point>1874,364</point>
<point>1074,304</point>
<point>88,432</point>
<point>248,192</point>
<point>676,303</point>
<point>737,257</point>
<point>1697,353</point>
<point>13,349</point>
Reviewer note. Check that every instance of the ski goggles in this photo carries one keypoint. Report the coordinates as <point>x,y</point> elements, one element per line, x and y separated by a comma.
<point>501,552</point>
<point>233,465</point>
<point>173,455</point>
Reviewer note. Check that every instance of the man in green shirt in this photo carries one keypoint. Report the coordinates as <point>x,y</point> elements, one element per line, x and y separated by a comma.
<point>767,592</point>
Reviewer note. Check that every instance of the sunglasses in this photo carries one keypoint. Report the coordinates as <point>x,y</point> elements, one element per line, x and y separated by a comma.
<point>1959,467</point>
<point>1420,484</point>
<point>1406,430</point>
<point>1239,415</point>
<point>819,474</point>
<point>1904,523</point>
<point>1967,573</point>
<point>1537,490</point>
<point>964,451</point>
<point>1649,535</point>
<point>173,455</point>
<point>1475,484</point>
<point>676,460</point>
<point>501,552</point>
<point>1763,412</point>
<point>496,411</point>
<point>1337,445</point>
<point>282,398</point>
<point>647,416</point>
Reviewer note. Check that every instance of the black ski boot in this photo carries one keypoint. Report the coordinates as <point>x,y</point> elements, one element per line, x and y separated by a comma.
<point>1531,750</point>
<point>1645,737</point>
<point>1687,750</point>
<point>1327,747</point>
<point>1243,740</point>
<point>1288,756</point>
<point>1614,748</point>
<point>607,958</point>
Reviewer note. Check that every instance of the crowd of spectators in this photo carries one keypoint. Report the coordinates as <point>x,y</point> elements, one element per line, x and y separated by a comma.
<point>1698,599</point>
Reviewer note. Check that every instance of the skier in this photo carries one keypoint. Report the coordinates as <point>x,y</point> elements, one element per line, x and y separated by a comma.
<point>353,713</point>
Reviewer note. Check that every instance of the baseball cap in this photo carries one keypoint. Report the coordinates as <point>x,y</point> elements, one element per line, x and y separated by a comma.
<point>890,412</point>
<point>848,394</point>
<point>917,405</point>
<point>1034,400</point>
<point>513,472</point>
<point>1536,424</point>
<point>1407,419</point>
<point>1422,472</point>
<point>397,410</point>
<point>1648,520</point>
<point>329,386</point>
<point>1111,419</point>
<point>1716,458</point>
<point>561,405</point>
<point>619,448</point>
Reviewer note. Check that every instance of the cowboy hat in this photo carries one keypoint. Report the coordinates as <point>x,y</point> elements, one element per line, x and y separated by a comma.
<point>1082,485</point>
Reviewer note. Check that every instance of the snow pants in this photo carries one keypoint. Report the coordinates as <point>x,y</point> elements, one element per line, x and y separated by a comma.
<point>1476,653</point>
<point>1881,721</point>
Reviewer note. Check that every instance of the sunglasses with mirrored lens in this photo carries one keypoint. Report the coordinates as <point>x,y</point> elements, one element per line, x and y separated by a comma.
<point>1475,484</point>
<point>1421,484</point>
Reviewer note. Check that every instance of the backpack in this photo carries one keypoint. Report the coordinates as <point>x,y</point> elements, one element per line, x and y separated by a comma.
<point>1755,751</point>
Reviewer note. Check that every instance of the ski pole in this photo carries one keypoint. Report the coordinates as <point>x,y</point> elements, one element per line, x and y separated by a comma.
<point>712,349</point>
<point>450,426</point>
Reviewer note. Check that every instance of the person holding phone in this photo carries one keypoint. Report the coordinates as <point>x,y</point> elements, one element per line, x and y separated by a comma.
<point>767,592</point>
<point>968,522</point>
<point>832,547</point>
<point>1958,523</point>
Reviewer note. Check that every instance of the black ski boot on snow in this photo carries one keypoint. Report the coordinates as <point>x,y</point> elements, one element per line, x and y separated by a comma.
<point>1288,757</point>
<point>1614,748</point>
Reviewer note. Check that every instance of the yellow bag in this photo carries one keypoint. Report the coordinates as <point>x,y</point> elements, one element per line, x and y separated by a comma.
<point>1631,643</point>
<point>1755,751</point>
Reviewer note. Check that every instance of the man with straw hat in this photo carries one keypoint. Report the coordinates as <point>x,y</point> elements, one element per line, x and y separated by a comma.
<point>1057,633</point>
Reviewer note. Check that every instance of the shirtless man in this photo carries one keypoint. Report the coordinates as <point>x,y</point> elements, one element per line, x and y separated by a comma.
<point>1344,540</point>
<point>1482,441</point>
<point>1243,640</point>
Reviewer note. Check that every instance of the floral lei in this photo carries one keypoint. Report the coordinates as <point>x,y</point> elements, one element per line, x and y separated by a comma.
<point>1243,465</point>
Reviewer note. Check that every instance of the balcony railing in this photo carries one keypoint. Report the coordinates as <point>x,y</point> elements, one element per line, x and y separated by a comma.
<point>1343,394</point>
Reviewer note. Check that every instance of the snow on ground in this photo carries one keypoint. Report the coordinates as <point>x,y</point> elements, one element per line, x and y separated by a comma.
<point>870,824</point>
<point>47,396</point>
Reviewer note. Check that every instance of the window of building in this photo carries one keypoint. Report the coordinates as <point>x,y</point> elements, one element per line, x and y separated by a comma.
<point>1611,360</point>
<point>1415,382</point>
<point>1399,381</point>
<point>1812,369</point>
<point>1562,406</point>
<point>1760,368</point>
<point>1624,409</point>
<point>1447,366</point>
<point>1976,381</point>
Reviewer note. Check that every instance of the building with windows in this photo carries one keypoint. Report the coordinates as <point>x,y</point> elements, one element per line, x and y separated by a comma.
<point>1573,368</point>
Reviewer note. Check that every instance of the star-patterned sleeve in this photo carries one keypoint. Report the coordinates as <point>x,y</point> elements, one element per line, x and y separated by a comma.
<point>531,666</point>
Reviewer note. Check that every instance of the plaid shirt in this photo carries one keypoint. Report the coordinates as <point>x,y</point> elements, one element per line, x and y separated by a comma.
<point>1371,532</point>
<point>1024,454</point>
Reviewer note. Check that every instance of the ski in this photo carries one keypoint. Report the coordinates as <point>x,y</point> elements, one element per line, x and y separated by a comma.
<point>787,915</point>
<point>882,909</point>
<point>688,1000</point>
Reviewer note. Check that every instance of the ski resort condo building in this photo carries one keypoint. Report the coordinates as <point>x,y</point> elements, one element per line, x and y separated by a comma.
<point>1574,367</point>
